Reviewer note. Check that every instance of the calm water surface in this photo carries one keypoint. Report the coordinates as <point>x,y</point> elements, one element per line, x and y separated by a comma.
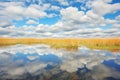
<point>40,62</point>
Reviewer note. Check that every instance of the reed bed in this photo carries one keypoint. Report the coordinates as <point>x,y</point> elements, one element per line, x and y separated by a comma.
<point>68,43</point>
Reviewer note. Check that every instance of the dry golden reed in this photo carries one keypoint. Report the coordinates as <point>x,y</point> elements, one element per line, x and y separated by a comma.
<point>68,43</point>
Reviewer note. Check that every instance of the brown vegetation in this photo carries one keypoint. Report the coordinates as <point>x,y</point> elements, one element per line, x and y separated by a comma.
<point>68,43</point>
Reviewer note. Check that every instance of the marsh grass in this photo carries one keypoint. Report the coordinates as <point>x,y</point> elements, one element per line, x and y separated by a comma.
<point>67,43</point>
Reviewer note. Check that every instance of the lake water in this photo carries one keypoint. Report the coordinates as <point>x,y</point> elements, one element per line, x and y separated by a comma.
<point>40,62</point>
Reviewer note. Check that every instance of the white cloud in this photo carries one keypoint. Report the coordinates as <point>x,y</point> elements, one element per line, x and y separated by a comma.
<point>51,15</point>
<point>32,57</point>
<point>79,17</point>
<point>5,23</point>
<point>14,11</point>
<point>72,17</point>
<point>102,7</point>
<point>80,0</point>
<point>63,2</point>
<point>55,8</point>
<point>72,13</point>
<point>58,30</point>
<point>31,22</point>
<point>118,18</point>
<point>73,23</point>
<point>116,25</point>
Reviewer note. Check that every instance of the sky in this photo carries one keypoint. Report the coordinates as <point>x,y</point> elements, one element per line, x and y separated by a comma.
<point>60,18</point>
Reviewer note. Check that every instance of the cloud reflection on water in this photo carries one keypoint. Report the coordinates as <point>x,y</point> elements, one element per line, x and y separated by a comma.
<point>34,59</point>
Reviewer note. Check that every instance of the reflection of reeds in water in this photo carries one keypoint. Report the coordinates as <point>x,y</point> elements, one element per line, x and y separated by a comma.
<point>73,48</point>
<point>115,50</point>
<point>68,48</point>
<point>69,43</point>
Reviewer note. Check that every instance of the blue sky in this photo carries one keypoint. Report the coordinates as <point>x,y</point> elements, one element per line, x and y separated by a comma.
<point>60,18</point>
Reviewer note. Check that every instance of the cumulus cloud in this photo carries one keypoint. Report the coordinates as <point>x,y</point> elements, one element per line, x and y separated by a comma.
<point>15,11</point>
<point>58,30</point>
<point>5,23</point>
<point>116,25</point>
<point>4,31</point>
<point>79,17</point>
<point>63,2</point>
<point>72,13</point>
<point>31,22</point>
<point>104,7</point>
<point>72,23</point>
<point>55,8</point>
<point>118,17</point>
